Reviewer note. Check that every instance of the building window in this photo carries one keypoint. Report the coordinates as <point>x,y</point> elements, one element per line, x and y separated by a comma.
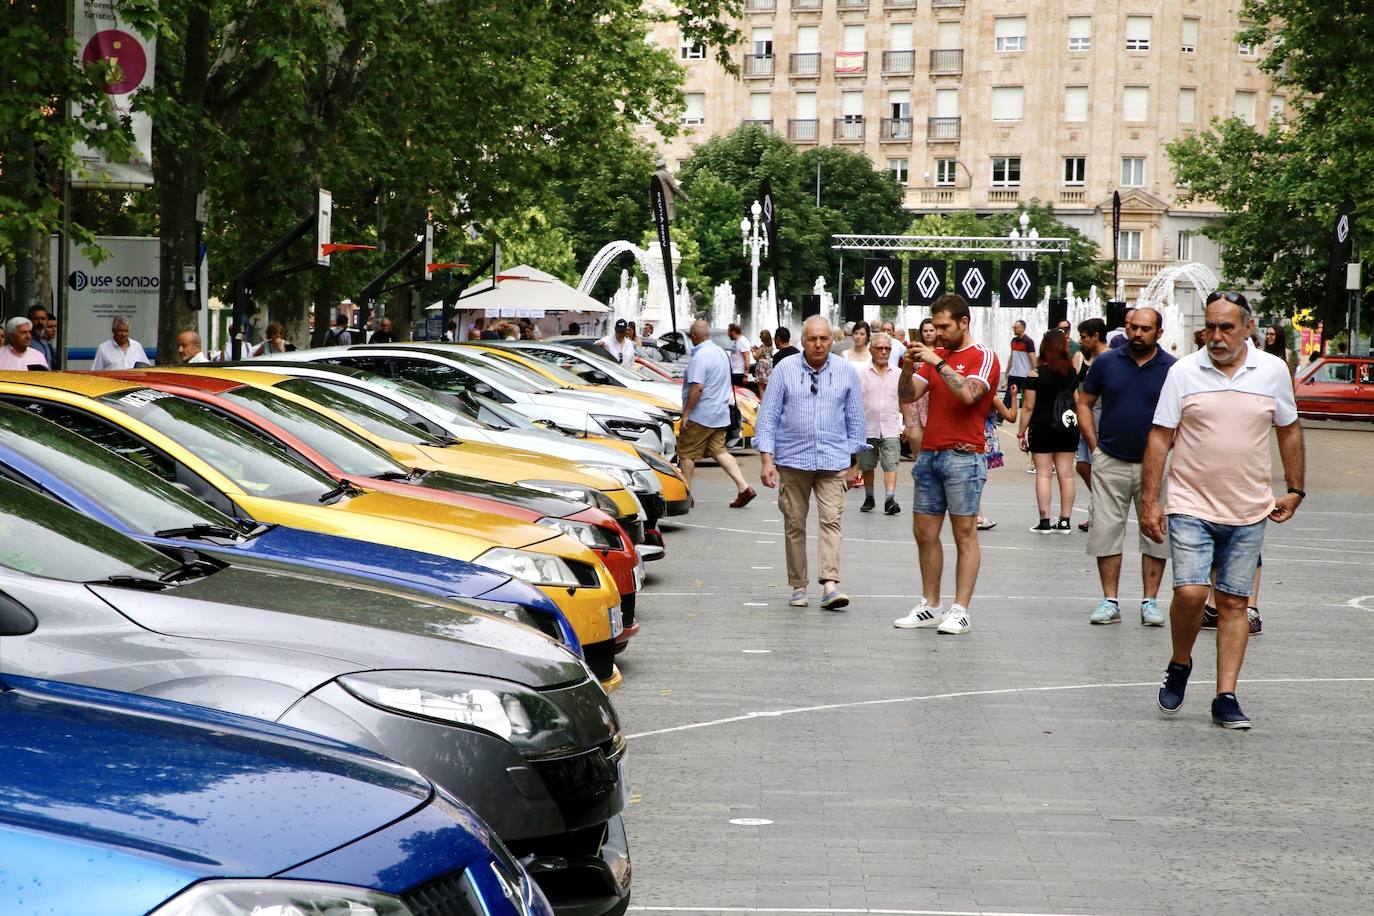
<point>763,42</point>
<point>1011,33</point>
<point>1133,172</point>
<point>692,51</point>
<point>761,106</point>
<point>899,37</point>
<point>1138,33</point>
<point>1187,106</point>
<point>696,108</point>
<point>1135,103</point>
<point>1080,33</point>
<point>1128,244</point>
<point>897,168</point>
<point>1276,107</point>
<point>1189,43</point>
<point>1076,103</point>
<point>944,173</point>
<point>1006,171</point>
<point>1008,103</point>
<point>1244,48</point>
<point>1244,106</point>
<point>1075,167</point>
<point>1185,246</point>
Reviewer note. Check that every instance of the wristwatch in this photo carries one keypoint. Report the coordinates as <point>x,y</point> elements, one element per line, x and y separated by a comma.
<point>940,365</point>
<point>1302,494</point>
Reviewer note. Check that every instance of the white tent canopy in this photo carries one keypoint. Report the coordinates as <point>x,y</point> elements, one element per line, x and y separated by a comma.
<point>524,292</point>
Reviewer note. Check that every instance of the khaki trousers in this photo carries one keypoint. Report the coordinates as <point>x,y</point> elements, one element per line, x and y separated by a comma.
<point>795,489</point>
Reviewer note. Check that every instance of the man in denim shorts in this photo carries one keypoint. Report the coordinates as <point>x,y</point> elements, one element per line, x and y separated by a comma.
<point>1215,410</point>
<point>950,470</point>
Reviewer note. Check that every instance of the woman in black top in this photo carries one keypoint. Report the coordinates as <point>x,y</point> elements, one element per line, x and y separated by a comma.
<point>1049,429</point>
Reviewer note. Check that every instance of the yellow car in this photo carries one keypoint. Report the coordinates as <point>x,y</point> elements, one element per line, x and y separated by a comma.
<point>235,469</point>
<point>561,377</point>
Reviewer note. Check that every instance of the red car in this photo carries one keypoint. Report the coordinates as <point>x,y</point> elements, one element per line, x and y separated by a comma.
<point>1337,388</point>
<point>619,556</point>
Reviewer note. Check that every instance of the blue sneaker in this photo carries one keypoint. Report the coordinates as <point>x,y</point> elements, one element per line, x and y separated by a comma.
<point>1150,615</point>
<point>1175,683</point>
<point>1107,611</point>
<point>1226,712</point>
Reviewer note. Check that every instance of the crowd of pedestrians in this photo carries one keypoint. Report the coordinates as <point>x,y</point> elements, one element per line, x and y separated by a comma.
<point>1182,441</point>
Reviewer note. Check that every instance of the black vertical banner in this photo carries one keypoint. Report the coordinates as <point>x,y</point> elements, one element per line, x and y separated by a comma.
<point>925,281</point>
<point>1116,237</point>
<point>882,281</point>
<point>1342,249</point>
<point>973,281</point>
<point>770,223</point>
<point>1020,284</point>
<point>659,204</point>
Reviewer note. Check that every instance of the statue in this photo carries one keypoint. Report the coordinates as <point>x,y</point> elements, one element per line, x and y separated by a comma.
<point>670,188</point>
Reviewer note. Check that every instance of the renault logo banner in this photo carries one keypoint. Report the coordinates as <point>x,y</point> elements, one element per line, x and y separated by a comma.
<point>973,281</point>
<point>882,281</point>
<point>926,281</point>
<point>1020,284</point>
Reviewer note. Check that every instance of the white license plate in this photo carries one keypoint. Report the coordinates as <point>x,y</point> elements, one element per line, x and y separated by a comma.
<point>617,622</point>
<point>622,770</point>
<point>639,574</point>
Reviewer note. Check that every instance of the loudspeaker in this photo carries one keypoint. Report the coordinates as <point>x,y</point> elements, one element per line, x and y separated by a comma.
<point>853,307</point>
<point>1059,311</point>
<point>1116,314</point>
<point>811,305</point>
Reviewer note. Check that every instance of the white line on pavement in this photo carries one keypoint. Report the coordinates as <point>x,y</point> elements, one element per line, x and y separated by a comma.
<point>1004,691</point>
<point>842,911</point>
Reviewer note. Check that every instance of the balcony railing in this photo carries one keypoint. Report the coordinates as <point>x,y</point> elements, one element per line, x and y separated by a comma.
<point>850,129</point>
<point>1073,196</point>
<point>1004,195</point>
<point>803,130</point>
<point>1140,270</point>
<point>851,63</point>
<point>763,124</point>
<point>899,61</point>
<point>946,61</point>
<point>760,6</point>
<point>939,197</point>
<point>947,4</point>
<point>851,4</point>
<point>899,4</point>
<point>895,129</point>
<point>942,130</point>
<point>757,65</point>
<point>807,63</point>
<point>806,4</point>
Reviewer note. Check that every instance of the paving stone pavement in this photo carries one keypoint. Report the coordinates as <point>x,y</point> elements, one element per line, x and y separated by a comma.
<point>1022,767</point>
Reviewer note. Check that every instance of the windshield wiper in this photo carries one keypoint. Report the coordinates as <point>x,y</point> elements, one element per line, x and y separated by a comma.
<point>345,488</point>
<point>148,585</point>
<point>195,569</point>
<point>399,475</point>
<point>200,531</point>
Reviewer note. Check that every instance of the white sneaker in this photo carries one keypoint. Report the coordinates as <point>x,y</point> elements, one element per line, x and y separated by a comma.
<point>956,621</point>
<point>922,615</point>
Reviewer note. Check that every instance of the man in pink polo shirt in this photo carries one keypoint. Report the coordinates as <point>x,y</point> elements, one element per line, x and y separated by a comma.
<point>883,416</point>
<point>1215,411</point>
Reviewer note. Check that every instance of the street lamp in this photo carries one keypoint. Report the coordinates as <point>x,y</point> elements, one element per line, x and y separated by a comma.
<point>755,239</point>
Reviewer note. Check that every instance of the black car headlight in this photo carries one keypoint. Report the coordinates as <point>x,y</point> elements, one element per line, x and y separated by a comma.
<point>576,492</point>
<point>532,723</point>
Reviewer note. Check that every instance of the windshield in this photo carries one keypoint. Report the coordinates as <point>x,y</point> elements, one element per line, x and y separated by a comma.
<point>259,466</point>
<point>498,415</point>
<point>373,413</point>
<point>137,497</point>
<point>41,536</point>
<point>509,377</point>
<point>439,406</point>
<point>516,368</point>
<point>353,455</point>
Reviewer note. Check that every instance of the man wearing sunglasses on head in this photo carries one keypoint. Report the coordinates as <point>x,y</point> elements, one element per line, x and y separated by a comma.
<point>810,433</point>
<point>1215,412</point>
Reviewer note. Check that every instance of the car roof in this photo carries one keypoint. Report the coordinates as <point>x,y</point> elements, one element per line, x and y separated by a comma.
<point>86,383</point>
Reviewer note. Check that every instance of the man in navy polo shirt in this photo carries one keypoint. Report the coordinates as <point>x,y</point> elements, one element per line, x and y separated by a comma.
<point>1128,381</point>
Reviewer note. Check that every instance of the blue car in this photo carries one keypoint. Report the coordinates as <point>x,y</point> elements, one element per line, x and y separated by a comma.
<point>116,805</point>
<point>103,486</point>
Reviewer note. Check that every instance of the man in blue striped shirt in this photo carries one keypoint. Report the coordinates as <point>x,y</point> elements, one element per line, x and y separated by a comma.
<point>809,433</point>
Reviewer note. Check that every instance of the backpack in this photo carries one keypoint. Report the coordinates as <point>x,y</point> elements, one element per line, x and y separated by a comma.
<point>1064,418</point>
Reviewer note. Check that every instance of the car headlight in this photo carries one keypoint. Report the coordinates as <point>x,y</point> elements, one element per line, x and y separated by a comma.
<point>531,722</point>
<point>656,462</point>
<point>500,609</point>
<point>587,533</point>
<point>576,493</point>
<point>618,426</point>
<point>620,475</point>
<point>534,568</point>
<point>268,897</point>
<point>647,481</point>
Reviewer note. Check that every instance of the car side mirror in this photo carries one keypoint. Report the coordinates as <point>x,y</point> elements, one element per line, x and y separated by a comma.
<point>483,389</point>
<point>597,377</point>
<point>15,618</point>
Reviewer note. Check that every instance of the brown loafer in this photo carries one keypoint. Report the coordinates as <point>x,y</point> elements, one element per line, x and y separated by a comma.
<point>744,498</point>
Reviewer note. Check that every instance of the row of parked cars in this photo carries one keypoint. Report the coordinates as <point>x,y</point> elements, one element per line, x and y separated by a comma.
<point>326,634</point>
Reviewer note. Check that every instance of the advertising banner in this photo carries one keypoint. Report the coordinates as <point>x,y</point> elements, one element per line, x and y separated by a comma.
<point>102,36</point>
<point>1020,284</point>
<point>123,285</point>
<point>926,281</point>
<point>973,281</point>
<point>658,203</point>
<point>882,281</point>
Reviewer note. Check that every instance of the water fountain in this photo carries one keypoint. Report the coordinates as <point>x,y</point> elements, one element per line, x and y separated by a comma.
<point>723,306</point>
<point>1161,293</point>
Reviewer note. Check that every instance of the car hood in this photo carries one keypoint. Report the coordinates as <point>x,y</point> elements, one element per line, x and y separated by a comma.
<point>499,530</point>
<point>365,627</point>
<point>598,404</point>
<point>553,443</point>
<point>538,501</point>
<point>138,797</point>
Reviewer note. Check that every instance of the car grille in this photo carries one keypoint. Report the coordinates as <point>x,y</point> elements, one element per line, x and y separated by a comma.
<point>585,572</point>
<point>580,784</point>
<point>451,895</point>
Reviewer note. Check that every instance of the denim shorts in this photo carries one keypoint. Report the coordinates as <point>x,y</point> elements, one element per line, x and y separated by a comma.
<point>1200,546</point>
<point>1084,456</point>
<point>949,481</point>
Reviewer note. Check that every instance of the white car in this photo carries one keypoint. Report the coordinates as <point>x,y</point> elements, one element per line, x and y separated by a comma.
<point>448,371</point>
<point>591,367</point>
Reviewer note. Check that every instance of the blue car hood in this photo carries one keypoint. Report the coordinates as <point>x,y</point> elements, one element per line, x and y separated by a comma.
<point>111,803</point>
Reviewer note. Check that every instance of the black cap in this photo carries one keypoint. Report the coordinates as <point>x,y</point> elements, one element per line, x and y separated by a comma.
<point>621,324</point>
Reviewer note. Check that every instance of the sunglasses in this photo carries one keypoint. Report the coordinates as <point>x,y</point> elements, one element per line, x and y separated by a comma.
<point>1229,296</point>
<point>815,380</point>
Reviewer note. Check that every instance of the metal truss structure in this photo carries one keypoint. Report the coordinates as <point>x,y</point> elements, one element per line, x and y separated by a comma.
<point>1023,246</point>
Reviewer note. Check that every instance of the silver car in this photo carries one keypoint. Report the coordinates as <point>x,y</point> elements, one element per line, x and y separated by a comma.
<point>493,711</point>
